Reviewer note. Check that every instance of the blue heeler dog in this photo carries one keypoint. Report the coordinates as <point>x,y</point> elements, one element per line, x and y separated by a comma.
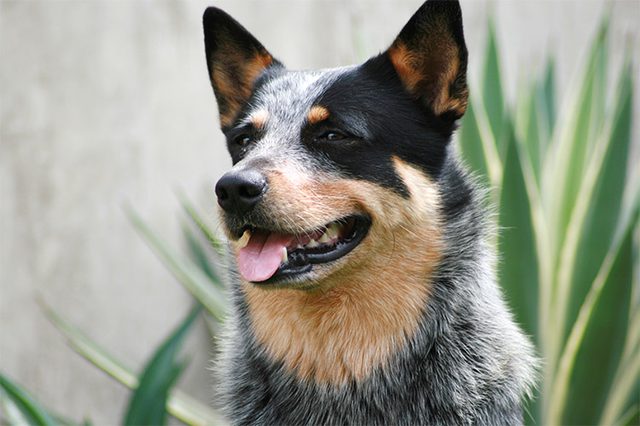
<point>363,287</point>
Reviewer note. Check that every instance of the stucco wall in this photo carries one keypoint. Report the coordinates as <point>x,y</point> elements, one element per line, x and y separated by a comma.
<point>104,103</point>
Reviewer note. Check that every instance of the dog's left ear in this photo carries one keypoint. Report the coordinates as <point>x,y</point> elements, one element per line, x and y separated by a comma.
<point>235,60</point>
<point>430,57</point>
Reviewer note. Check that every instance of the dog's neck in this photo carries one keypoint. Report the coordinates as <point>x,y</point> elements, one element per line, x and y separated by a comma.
<point>357,320</point>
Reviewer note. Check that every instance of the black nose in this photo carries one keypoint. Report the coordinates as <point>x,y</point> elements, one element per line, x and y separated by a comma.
<point>239,191</point>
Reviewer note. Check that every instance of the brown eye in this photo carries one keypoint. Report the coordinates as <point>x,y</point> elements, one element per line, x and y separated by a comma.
<point>244,140</point>
<point>331,136</point>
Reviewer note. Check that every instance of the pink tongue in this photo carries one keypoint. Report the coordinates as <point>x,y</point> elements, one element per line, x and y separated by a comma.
<point>261,257</point>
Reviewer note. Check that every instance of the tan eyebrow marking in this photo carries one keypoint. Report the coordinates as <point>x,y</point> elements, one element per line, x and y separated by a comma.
<point>317,114</point>
<point>259,119</point>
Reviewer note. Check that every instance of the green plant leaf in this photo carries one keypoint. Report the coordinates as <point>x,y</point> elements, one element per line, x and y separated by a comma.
<point>545,101</point>
<point>613,280</point>
<point>625,389</point>
<point>200,222</point>
<point>602,344</point>
<point>492,96</point>
<point>520,240</point>
<point>602,214</point>
<point>565,163</point>
<point>470,144</point>
<point>30,410</point>
<point>188,274</point>
<point>564,181</point>
<point>9,413</point>
<point>595,219</point>
<point>632,416</point>
<point>531,135</point>
<point>147,405</point>
<point>180,405</point>
<point>200,257</point>
<point>518,267</point>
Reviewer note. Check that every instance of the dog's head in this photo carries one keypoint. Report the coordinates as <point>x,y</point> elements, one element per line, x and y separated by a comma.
<point>335,170</point>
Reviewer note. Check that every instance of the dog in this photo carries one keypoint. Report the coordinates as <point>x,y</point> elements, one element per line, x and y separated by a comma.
<point>363,286</point>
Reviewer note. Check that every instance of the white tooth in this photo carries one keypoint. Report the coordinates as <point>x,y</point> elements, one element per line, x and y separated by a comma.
<point>312,244</point>
<point>299,246</point>
<point>244,240</point>
<point>324,238</point>
<point>285,257</point>
<point>333,230</point>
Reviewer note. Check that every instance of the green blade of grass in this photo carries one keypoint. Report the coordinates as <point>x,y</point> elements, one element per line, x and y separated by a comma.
<point>30,410</point>
<point>598,107</point>
<point>180,405</point>
<point>602,345</point>
<point>471,148</point>
<point>492,96</point>
<point>200,257</point>
<point>523,269</point>
<point>632,416</point>
<point>189,275</point>
<point>487,142</point>
<point>147,405</point>
<point>518,268</point>
<point>624,390</point>
<point>595,218</point>
<point>600,219</point>
<point>565,164</point>
<point>545,102</point>
<point>616,268</point>
<point>480,138</point>
<point>625,382</point>
<point>9,412</point>
<point>200,222</point>
<point>532,136</point>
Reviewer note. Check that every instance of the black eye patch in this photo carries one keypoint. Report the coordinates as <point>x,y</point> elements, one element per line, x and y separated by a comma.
<point>372,120</point>
<point>240,140</point>
<point>331,133</point>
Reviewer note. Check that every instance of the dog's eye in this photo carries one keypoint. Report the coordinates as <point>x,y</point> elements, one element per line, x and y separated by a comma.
<point>244,140</point>
<point>331,136</point>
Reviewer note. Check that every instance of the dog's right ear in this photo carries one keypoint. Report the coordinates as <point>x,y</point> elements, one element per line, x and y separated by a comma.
<point>235,60</point>
<point>430,57</point>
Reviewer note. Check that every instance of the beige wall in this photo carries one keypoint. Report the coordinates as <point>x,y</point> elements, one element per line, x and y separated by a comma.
<point>104,103</point>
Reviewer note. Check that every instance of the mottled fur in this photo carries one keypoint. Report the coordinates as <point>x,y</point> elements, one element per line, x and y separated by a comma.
<point>460,359</point>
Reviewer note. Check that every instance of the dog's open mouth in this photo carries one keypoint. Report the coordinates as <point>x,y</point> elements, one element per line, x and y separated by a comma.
<point>267,256</point>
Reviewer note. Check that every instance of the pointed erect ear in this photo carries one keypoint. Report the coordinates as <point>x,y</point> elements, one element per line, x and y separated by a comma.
<point>235,60</point>
<point>430,58</point>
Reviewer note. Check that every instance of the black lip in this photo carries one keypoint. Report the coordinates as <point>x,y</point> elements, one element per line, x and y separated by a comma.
<point>301,263</point>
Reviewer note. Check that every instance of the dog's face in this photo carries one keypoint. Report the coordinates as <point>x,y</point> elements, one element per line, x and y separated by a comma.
<point>335,170</point>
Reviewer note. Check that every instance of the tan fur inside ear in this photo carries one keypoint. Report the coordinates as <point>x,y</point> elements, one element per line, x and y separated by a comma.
<point>235,83</point>
<point>430,71</point>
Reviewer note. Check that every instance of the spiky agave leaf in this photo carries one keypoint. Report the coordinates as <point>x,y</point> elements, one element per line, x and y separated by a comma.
<point>180,405</point>
<point>561,201</point>
<point>22,407</point>
<point>188,274</point>
<point>147,405</point>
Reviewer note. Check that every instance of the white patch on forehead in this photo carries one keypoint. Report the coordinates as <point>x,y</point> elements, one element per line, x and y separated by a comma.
<point>286,100</point>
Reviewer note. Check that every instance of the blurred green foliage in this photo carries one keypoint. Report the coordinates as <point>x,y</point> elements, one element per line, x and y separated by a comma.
<point>569,237</point>
<point>568,220</point>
